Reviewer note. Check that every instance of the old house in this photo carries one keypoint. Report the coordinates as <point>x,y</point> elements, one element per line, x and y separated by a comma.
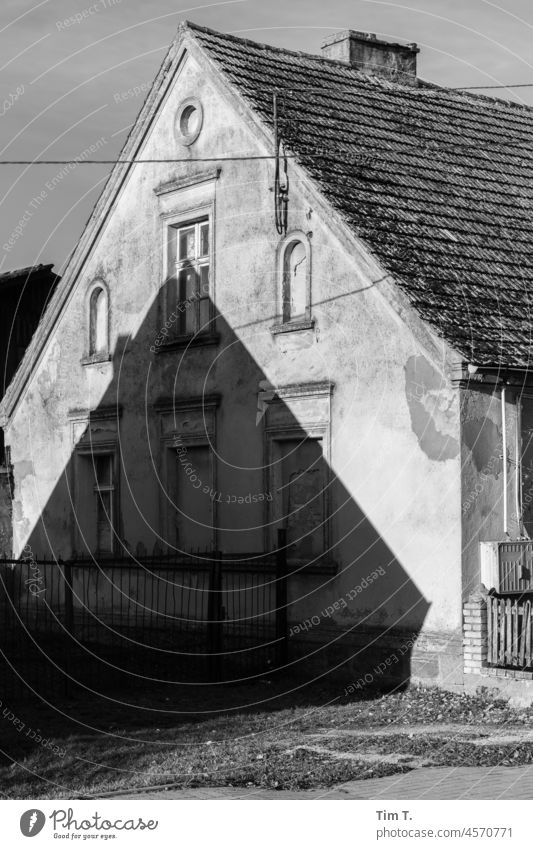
<point>303,302</point>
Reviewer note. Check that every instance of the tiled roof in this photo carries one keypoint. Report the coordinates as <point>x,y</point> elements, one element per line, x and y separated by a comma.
<point>437,182</point>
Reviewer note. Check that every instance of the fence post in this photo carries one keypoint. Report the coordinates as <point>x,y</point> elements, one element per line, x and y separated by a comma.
<point>8,598</point>
<point>215,615</point>
<point>282,631</point>
<point>69,619</point>
<point>67,586</point>
<point>11,633</point>
<point>475,633</point>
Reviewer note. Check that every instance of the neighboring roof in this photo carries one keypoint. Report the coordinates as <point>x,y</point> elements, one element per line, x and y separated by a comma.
<point>437,182</point>
<point>32,272</point>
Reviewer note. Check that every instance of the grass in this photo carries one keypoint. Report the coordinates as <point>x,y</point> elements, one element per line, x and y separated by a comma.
<point>305,739</point>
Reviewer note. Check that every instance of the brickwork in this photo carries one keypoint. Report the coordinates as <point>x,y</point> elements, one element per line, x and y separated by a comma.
<point>475,632</point>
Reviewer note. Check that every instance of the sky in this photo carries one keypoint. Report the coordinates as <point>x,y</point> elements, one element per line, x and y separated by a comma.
<point>67,67</point>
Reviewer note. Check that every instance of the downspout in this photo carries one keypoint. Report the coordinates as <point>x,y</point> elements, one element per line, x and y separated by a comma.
<point>518,469</point>
<point>504,465</point>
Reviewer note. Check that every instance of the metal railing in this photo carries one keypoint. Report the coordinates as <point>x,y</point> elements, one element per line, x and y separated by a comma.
<point>145,621</point>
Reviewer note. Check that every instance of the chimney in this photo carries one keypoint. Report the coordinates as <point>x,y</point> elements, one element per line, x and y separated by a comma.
<point>371,55</point>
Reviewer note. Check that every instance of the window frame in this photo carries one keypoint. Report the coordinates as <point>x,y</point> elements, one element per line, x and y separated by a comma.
<point>85,453</point>
<point>276,439</point>
<point>107,488</point>
<point>287,417</point>
<point>188,138</point>
<point>197,263</point>
<point>285,247</point>
<point>193,423</point>
<point>103,355</point>
<point>173,486</point>
<point>172,223</point>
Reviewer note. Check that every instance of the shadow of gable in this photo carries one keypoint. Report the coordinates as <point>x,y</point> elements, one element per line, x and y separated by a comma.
<point>179,460</point>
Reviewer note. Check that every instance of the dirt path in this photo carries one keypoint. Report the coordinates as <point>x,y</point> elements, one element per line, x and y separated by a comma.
<point>417,773</point>
<point>481,735</point>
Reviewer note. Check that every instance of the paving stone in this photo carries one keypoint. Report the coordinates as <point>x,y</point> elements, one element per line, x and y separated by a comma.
<point>426,783</point>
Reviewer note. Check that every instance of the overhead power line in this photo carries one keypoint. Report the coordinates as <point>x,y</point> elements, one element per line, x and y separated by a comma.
<point>131,161</point>
<point>155,161</point>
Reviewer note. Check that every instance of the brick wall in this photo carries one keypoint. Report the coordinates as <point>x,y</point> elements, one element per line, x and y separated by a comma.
<point>475,632</point>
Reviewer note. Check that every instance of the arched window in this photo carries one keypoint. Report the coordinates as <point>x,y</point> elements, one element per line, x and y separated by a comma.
<point>296,280</point>
<point>98,322</point>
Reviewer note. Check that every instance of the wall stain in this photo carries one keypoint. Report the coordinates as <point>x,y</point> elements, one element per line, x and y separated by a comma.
<point>432,409</point>
<point>484,439</point>
<point>24,468</point>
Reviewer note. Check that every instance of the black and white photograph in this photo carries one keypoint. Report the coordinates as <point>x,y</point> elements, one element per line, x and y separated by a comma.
<point>266,422</point>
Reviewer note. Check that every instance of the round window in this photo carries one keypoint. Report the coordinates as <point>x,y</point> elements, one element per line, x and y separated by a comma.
<point>189,121</point>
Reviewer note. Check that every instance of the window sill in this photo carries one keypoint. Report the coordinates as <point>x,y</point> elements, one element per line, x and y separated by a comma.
<point>198,340</point>
<point>95,360</point>
<point>293,326</point>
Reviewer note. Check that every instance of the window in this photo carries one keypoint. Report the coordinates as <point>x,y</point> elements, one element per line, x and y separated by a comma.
<point>194,497</point>
<point>188,505</point>
<point>302,496</point>
<point>294,270</point>
<point>188,302</point>
<point>298,481</point>
<point>295,282</point>
<point>296,421</point>
<point>96,498</point>
<point>98,323</point>
<point>189,120</point>
<point>104,490</point>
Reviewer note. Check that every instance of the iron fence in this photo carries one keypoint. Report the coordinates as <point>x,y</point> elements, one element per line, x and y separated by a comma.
<point>136,623</point>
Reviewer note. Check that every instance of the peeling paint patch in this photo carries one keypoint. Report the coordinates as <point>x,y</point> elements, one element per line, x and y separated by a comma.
<point>22,524</point>
<point>24,468</point>
<point>432,409</point>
